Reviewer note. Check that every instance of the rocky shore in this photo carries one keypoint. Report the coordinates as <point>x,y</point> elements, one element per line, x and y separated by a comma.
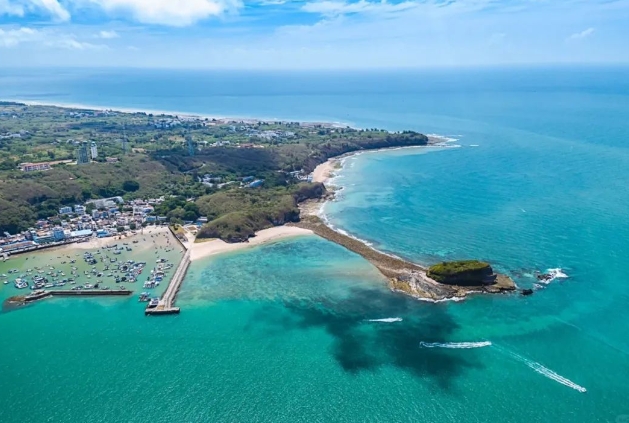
<point>404,276</point>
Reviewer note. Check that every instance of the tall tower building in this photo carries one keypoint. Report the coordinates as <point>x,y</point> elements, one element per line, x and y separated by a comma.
<point>81,154</point>
<point>94,150</point>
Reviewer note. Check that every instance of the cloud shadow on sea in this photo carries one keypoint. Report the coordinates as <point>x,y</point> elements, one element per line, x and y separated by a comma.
<point>360,345</point>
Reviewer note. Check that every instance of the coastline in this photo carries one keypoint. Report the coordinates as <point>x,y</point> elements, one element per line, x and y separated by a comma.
<point>402,275</point>
<point>96,243</point>
<point>200,250</point>
<point>186,115</point>
<point>326,170</point>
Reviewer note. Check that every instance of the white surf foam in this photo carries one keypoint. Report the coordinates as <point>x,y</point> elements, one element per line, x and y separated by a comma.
<point>344,232</point>
<point>545,371</point>
<point>387,320</point>
<point>557,273</point>
<point>442,137</point>
<point>474,145</point>
<point>455,345</point>
<point>453,299</point>
<point>553,274</point>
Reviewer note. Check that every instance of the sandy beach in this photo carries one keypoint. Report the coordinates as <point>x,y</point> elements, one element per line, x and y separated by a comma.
<point>96,243</point>
<point>325,171</point>
<point>209,248</point>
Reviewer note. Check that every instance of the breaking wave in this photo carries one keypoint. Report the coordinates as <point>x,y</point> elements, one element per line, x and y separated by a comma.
<point>557,273</point>
<point>551,275</point>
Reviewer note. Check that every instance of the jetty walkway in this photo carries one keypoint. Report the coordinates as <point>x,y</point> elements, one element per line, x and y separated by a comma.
<point>166,303</point>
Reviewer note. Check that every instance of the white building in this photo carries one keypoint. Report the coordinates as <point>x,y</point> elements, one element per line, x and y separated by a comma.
<point>94,150</point>
<point>79,209</point>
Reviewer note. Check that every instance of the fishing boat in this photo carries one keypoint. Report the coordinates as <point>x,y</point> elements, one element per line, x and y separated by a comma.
<point>20,284</point>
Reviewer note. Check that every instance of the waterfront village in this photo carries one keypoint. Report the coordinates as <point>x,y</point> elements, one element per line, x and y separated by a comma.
<point>108,217</point>
<point>96,219</point>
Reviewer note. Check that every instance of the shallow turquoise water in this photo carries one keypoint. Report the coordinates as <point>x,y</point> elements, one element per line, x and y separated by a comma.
<point>250,357</point>
<point>284,332</point>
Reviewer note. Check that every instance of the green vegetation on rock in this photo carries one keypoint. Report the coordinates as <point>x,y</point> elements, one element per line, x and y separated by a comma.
<point>464,272</point>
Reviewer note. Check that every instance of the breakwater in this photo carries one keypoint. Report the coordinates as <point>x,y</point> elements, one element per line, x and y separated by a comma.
<point>405,276</point>
<point>39,295</point>
<point>166,303</point>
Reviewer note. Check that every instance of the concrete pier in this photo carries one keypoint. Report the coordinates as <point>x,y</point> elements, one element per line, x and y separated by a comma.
<point>166,303</point>
<point>41,294</point>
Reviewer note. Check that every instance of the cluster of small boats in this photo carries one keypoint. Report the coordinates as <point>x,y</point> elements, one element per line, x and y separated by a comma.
<point>157,274</point>
<point>146,297</point>
<point>103,264</point>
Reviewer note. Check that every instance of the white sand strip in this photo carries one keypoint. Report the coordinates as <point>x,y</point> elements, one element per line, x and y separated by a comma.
<point>209,248</point>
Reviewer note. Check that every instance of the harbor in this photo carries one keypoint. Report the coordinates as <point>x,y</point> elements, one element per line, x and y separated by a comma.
<point>96,269</point>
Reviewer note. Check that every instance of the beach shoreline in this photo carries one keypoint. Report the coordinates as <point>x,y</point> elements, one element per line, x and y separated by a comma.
<point>326,170</point>
<point>200,250</point>
<point>97,243</point>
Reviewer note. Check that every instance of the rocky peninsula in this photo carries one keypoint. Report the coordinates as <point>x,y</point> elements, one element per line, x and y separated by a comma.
<point>448,280</point>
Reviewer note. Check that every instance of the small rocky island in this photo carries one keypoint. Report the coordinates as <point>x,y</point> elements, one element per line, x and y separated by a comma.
<point>442,281</point>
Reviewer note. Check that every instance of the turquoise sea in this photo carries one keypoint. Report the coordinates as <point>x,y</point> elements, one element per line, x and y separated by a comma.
<point>302,330</point>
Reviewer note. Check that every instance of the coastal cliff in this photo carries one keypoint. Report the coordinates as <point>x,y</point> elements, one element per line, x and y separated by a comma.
<point>453,279</point>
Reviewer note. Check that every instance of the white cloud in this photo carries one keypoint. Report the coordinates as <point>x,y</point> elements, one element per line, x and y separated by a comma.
<point>336,8</point>
<point>53,7</point>
<point>581,35</point>
<point>161,12</point>
<point>108,35</point>
<point>21,7</point>
<point>15,37</point>
<point>7,7</point>
<point>169,12</point>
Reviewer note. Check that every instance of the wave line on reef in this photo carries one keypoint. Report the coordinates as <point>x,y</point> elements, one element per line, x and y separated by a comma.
<point>455,345</point>
<point>545,371</point>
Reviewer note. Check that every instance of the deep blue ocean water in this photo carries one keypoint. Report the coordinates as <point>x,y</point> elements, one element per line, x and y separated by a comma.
<point>537,178</point>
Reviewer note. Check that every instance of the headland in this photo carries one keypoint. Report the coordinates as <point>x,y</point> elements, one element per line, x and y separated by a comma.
<point>411,278</point>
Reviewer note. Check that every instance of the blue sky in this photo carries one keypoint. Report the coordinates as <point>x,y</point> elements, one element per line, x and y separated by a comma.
<point>312,34</point>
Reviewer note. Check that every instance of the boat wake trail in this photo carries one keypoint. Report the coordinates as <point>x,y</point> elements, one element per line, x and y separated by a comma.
<point>544,371</point>
<point>387,320</point>
<point>455,345</point>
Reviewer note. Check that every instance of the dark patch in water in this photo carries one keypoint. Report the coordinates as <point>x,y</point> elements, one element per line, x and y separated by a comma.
<point>8,306</point>
<point>360,345</point>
